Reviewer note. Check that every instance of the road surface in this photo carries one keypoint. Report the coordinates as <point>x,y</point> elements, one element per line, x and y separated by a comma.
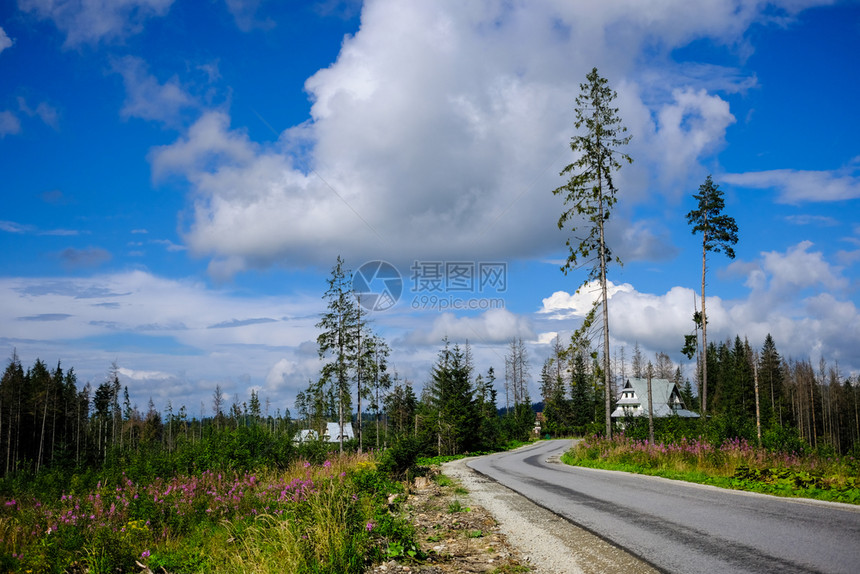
<point>681,527</point>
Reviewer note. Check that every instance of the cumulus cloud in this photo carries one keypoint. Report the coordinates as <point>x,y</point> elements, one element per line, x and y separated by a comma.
<point>146,98</point>
<point>794,295</point>
<point>492,326</point>
<point>440,129</point>
<point>91,21</point>
<point>797,186</point>
<point>693,124</point>
<point>779,280</point>
<point>279,374</point>
<point>564,305</point>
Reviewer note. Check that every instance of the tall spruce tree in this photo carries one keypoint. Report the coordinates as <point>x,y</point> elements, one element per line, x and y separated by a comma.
<point>770,378</point>
<point>452,398</point>
<point>719,234</point>
<point>338,341</point>
<point>590,195</point>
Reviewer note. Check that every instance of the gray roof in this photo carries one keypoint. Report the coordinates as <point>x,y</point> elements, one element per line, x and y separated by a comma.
<point>665,399</point>
<point>332,432</point>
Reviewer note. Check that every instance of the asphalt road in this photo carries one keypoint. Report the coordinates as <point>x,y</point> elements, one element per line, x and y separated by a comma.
<point>685,528</point>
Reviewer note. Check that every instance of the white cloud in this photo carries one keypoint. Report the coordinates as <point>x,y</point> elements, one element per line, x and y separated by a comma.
<point>693,124</point>
<point>146,98</point>
<point>279,374</point>
<point>798,186</point>
<point>144,375</point>
<point>492,326</point>
<point>793,295</point>
<point>157,330</point>
<point>9,124</point>
<point>440,129</point>
<point>563,305</point>
<point>798,268</point>
<point>547,338</point>
<point>91,21</point>
<point>5,40</point>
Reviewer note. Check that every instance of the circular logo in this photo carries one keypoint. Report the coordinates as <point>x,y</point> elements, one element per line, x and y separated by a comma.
<point>377,285</point>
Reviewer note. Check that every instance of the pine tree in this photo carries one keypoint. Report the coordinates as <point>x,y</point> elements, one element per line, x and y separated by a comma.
<point>338,342</point>
<point>770,379</point>
<point>254,406</point>
<point>719,234</point>
<point>382,381</point>
<point>452,398</point>
<point>591,193</point>
<point>582,403</point>
<point>400,406</point>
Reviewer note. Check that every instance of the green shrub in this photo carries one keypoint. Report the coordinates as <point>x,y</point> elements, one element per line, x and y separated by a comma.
<point>400,458</point>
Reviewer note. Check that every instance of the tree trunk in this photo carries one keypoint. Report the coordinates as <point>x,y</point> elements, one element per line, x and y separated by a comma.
<point>650,409</point>
<point>358,382</point>
<point>606,375</point>
<point>42,434</point>
<point>704,328</point>
<point>757,410</point>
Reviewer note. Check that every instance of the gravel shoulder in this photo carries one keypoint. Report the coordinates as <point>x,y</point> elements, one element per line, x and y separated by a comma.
<point>546,542</point>
<point>467,523</point>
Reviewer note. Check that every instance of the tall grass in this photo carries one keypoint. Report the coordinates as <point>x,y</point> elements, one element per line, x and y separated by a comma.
<point>309,518</point>
<point>734,463</point>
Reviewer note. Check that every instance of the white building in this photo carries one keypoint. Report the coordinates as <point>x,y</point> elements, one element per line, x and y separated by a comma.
<point>665,400</point>
<point>332,432</point>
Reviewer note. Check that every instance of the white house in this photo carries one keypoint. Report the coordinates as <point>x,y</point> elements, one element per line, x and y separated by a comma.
<point>665,400</point>
<point>332,432</point>
<point>305,435</point>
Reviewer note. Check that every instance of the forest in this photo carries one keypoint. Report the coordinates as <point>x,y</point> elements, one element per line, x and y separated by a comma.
<point>49,422</point>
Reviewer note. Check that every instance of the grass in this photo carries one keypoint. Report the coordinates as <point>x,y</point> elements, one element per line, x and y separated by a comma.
<point>455,507</point>
<point>332,517</point>
<point>734,464</point>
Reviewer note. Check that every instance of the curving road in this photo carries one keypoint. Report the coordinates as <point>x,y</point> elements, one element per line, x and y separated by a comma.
<point>681,527</point>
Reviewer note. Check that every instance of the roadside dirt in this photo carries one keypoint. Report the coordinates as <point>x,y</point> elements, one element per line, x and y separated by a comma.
<point>467,523</point>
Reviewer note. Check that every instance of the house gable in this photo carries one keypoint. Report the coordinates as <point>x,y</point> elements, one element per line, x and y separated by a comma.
<point>665,398</point>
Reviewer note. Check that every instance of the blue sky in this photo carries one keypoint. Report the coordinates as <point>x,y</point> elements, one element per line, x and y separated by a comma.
<point>178,178</point>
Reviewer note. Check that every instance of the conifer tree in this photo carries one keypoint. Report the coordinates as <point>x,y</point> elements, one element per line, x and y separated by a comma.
<point>451,396</point>
<point>590,194</point>
<point>719,234</point>
<point>770,378</point>
<point>338,341</point>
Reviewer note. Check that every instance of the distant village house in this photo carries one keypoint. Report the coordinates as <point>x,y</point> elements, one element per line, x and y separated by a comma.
<point>665,400</point>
